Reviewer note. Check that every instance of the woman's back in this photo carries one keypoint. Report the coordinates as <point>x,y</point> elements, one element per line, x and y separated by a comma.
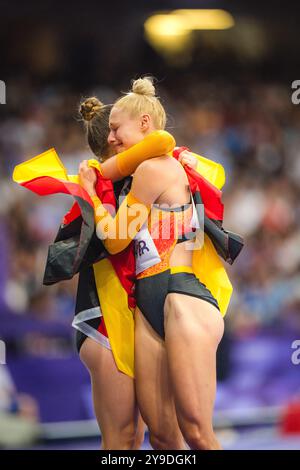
<point>166,177</point>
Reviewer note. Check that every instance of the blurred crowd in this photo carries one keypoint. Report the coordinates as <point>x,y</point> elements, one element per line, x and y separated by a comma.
<point>252,128</point>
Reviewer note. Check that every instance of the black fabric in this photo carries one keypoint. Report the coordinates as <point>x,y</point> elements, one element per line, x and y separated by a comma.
<point>228,244</point>
<point>72,247</point>
<point>87,296</point>
<point>86,299</point>
<point>151,293</point>
<point>189,284</point>
<point>81,337</point>
<point>75,249</point>
<point>122,188</point>
<point>76,245</point>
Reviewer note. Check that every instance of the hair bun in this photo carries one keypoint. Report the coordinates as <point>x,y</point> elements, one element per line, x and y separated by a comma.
<point>90,107</point>
<point>143,86</point>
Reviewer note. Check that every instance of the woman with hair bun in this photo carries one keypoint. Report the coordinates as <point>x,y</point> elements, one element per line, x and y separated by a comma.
<point>178,323</point>
<point>113,391</point>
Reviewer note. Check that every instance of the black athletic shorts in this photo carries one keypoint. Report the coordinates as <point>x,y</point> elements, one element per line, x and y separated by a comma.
<point>151,293</point>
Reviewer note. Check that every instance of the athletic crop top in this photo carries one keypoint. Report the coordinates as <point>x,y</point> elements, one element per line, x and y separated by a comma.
<point>158,236</point>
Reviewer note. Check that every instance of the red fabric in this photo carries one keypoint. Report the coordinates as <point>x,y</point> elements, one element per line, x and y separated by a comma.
<point>105,190</point>
<point>211,196</point>
<point>104,187</point>
<point>73,213</point>
<point>124,266</point>
<point>124,262</point>
<point>46,185</point>
<point>178,150</point>
<point>102,328</point>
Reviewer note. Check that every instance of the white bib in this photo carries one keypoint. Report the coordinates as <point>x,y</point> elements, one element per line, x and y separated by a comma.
<point>146,254</point>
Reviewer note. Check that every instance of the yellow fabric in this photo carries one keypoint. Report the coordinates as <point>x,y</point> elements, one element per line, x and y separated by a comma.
<point>211,273</point>
<point>117,232</point>
<point>153,145</point>
<point>207,264</point>
<point>114,303</point>
<point>212,171</point>
<point>93,163</point>
<point>45,164</point>
<point>113,298</point>
<point>209,269</point>
<point>118,317</point>
<point>181,269</point>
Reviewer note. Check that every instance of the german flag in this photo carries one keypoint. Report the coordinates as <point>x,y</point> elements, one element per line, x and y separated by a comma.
<point>114,275</point>
<point>206,183</point>
<point>76,247</point>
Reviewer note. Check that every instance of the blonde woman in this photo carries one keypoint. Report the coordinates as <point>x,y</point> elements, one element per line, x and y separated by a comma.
<point>178,325</point>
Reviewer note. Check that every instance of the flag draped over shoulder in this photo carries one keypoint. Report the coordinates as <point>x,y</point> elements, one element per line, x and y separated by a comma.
<point>76,246</point>
<point>206,184</point>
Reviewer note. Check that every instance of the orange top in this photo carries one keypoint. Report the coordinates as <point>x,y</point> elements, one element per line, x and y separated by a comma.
<point>166,227</point>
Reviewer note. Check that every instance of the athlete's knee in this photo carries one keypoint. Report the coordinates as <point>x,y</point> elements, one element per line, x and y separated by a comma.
<point>138,439</point>
<point>197,440</point>
<point>166,441</point>
<point>200,438</point>
<point>127,438</point>
<point>118,438</point>
<point>165,435</point>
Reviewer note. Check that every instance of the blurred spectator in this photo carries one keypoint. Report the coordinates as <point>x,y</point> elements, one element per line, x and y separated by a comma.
<point>19,414</point>
<point>258,147</point>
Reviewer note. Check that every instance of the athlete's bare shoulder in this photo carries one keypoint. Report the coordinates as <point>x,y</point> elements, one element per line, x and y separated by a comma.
<point>165,166</point>
<point>153,176</point>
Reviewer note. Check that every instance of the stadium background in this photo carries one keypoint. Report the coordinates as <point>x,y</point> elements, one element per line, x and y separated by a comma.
<point>228,97</point>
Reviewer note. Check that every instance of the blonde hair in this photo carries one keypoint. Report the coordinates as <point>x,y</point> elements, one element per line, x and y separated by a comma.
<point>141,99</point>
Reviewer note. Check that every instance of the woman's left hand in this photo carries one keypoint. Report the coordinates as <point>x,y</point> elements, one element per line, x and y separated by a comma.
<point>87,178</point>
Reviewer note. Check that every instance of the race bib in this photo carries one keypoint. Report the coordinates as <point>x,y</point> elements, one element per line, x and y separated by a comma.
<point>146,254</point>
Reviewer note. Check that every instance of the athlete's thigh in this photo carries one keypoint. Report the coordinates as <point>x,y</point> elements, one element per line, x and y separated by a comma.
<point>154,393</point>
<point>193,329</point>
<point>114,391</point>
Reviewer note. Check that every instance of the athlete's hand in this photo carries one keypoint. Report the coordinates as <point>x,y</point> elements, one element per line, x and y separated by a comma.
<point>87,178</point>
<point>187,158</point>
